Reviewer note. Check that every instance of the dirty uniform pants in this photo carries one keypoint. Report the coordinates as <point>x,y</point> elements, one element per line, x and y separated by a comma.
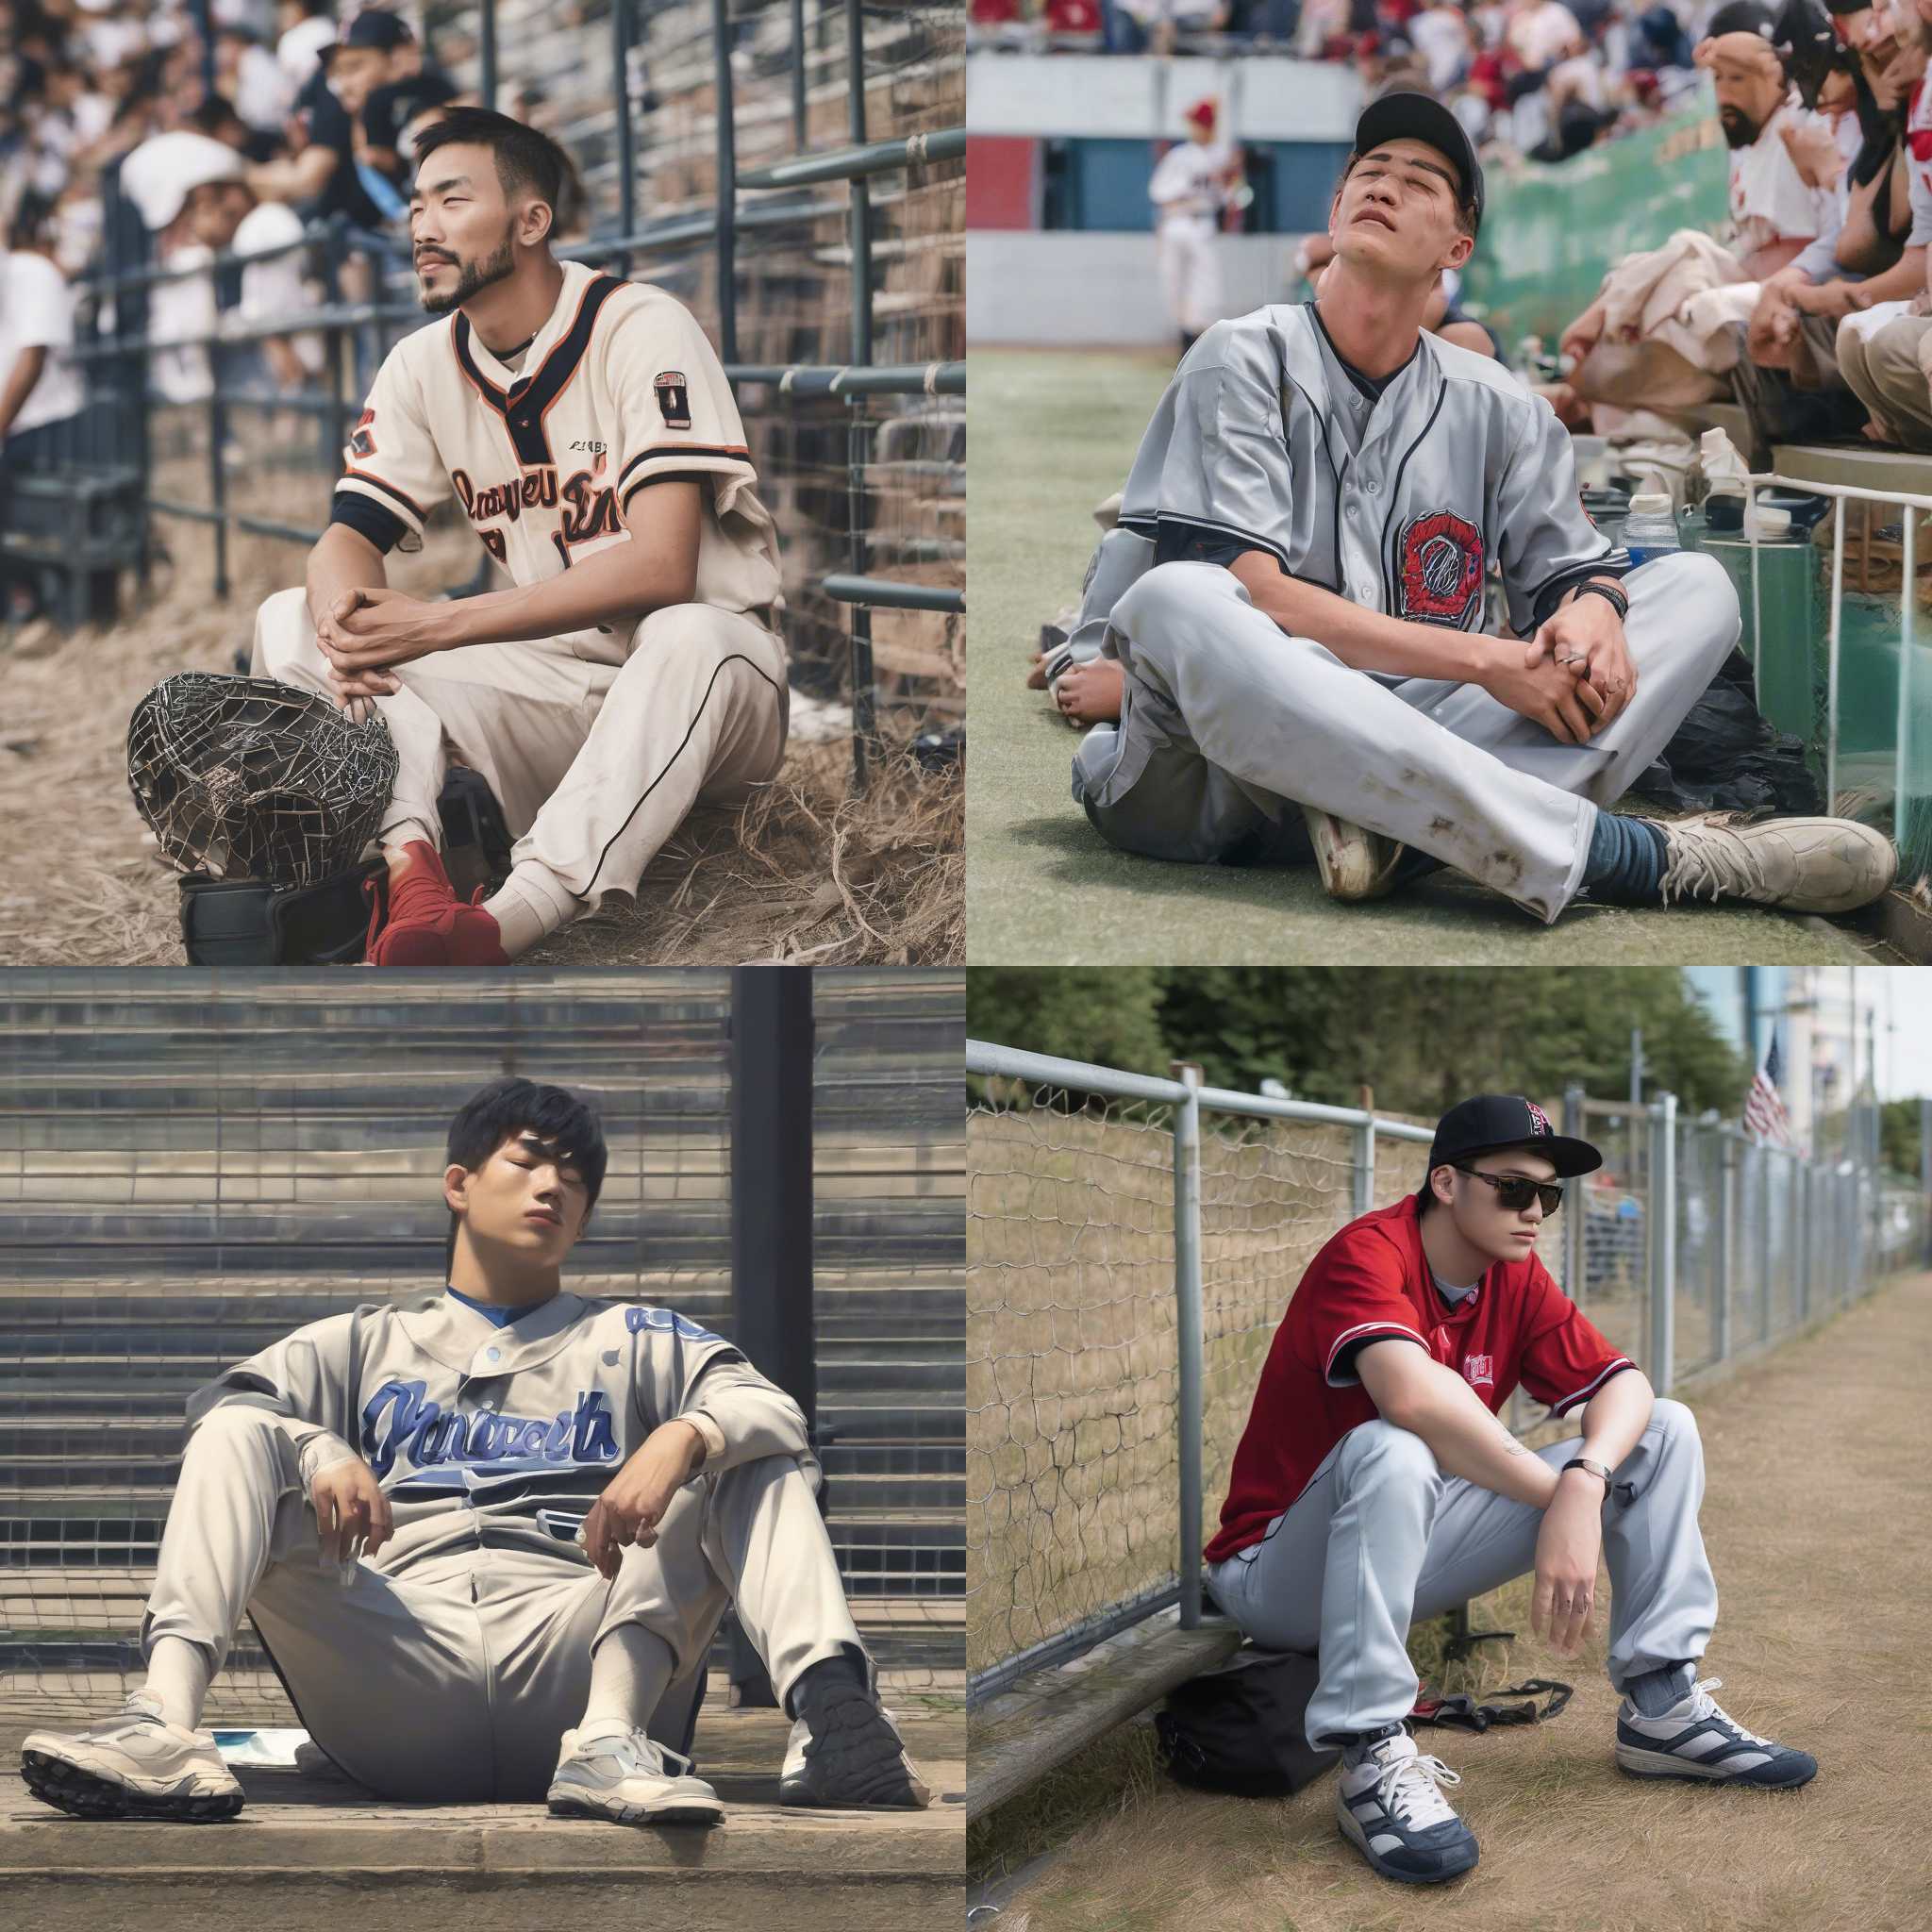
<point>1227,723</point>
<point>594,764</point>
<point>454,1680</point>
<point>1381,1536</point>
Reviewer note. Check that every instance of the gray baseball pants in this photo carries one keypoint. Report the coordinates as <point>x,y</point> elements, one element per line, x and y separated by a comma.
<point>1381,1536</point>
<point>454,1680</point>
<point>1227,723</point>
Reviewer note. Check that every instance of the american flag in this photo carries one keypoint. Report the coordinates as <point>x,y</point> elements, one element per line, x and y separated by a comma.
<point>1764,1108</point>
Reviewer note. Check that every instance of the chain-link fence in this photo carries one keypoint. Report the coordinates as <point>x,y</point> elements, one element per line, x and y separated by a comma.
<point>1132,1245</point>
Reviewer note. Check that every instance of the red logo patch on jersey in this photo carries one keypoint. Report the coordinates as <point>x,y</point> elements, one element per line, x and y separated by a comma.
<point>674,399</point>
<point>1478,1368</point>
<point>1441,569</point>
<point>362,438</point>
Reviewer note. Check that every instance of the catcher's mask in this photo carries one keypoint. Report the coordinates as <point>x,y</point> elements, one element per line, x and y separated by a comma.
<point>266,797</point>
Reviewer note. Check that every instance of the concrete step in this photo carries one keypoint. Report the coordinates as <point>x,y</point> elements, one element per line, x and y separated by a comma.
<point>312,1850</point>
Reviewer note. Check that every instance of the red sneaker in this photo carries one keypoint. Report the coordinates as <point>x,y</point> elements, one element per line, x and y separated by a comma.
<point>427,924</point>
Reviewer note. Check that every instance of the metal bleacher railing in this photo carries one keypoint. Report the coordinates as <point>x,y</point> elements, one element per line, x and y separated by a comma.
<point>1132,1241</point>
<point>109,468</point>
<point>187,1174</point>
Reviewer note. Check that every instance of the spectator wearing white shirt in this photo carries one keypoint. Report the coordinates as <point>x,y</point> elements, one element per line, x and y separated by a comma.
<point>307,26</point>
<point>40,391</point>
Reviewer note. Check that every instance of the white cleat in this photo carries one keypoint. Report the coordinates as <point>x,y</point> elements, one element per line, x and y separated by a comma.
<point>606,1770</point>
<point>1355,863</point>
<point>133,1766</point>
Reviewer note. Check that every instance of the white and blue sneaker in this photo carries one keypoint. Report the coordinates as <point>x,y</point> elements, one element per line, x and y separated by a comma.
<point>1696,1739</point>
<point>606,1770</point>
<point>1390,1810</point>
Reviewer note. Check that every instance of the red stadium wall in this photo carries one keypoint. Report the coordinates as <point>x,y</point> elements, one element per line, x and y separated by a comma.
<point>1003,181</point>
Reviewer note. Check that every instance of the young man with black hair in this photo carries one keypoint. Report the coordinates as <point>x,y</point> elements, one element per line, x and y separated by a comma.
<point>586,428</point>
<point>1374,1485</point>
<point>487,1536</point>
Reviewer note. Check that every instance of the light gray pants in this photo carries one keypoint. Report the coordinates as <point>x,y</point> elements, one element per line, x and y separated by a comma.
<point>454,1680</point>
<point>1382,1537</point>
<point>1226,722</point>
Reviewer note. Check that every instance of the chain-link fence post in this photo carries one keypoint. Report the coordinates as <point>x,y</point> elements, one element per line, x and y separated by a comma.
<point>1187,1283</point>
<point>1663,1241</point>
<point>1726,1241</point>
<point>1364,1193</point>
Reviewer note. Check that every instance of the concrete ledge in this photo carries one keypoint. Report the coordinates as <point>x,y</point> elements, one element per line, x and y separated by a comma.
<point>1045,1717</point>
<point>311,1849</point>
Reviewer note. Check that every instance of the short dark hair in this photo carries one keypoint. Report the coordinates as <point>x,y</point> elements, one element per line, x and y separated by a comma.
<point>567,1126</point>
<point>528,160</point>
<point>1465,207</point>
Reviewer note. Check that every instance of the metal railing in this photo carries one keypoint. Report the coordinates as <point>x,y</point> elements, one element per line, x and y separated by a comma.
<point>1911,792</point>
<point>1132,1243</point>
<point>356,335</point>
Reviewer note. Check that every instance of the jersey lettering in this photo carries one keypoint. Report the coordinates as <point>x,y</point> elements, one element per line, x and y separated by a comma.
<point>667,1321</point>
<point>400,1420</point>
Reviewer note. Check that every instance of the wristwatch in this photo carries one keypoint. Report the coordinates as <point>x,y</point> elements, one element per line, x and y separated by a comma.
<point>1597,1469</point>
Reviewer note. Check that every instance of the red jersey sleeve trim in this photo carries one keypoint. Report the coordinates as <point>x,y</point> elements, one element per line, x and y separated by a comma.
<point>1591,1386</point>
<point>1355,1334</point>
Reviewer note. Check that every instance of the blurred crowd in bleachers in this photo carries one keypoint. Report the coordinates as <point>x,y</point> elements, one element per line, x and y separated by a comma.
<point>1540,78</point>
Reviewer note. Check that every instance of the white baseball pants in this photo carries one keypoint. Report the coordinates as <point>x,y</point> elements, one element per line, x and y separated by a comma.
<point>454,1680</point>
<point>1184,248</point>
<point>1228,722</point>
<point>594,764</point>
<point>1382,1537</point>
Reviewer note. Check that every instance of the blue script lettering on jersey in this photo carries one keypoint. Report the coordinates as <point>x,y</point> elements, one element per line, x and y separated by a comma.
<point>431,1433</point>
<point>669,1321</point>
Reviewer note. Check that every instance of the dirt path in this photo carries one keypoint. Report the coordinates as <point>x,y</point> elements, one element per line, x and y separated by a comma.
<point>1814,1517</point>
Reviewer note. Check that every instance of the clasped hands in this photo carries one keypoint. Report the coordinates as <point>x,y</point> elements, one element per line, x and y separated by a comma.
<point>366,633</point>
<point>1575,676</point>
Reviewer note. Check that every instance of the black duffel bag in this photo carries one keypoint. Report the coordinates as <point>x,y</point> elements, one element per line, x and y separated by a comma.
<point>1238,1728</point>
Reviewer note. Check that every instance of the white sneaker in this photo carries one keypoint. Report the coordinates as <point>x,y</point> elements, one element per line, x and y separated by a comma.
<point>606,1770</point>
<point>133,1766</point>
<point>1696,1741</point>
<point>1388,1808</point>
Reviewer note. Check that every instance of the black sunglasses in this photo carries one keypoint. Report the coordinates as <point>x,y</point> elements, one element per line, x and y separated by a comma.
<point>1515,1191</point>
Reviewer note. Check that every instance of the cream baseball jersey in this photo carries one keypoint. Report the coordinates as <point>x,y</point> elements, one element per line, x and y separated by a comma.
<point>504,1436</point>
<point>619,388</point>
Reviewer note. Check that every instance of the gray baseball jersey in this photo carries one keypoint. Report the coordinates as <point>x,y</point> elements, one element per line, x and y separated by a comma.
<point>517,1429</point>
<point>1399,502</point>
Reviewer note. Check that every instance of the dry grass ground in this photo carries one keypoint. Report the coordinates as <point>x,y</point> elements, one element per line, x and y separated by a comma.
<point>806,871</point>
<point>1815,1459</point>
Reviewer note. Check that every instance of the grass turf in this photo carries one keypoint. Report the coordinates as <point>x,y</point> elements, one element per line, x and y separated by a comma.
<point>1051,432</point>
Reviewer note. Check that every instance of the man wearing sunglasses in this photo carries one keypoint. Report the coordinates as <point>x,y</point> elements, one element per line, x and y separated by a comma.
<point>1374,1485</point>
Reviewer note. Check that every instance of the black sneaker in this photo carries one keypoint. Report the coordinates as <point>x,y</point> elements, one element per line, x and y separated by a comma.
<point>1390,1810</point>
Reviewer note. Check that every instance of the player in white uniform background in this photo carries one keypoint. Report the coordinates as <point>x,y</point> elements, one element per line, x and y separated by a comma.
<point>1189,188</point>
<point>584,427</point>
<point>553,1500</point>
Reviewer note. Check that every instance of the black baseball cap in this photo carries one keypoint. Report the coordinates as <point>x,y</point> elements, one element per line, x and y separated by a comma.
<point>1742,17</point>
<point>371,28</point>
<point>1492,1121</point>
<point>1416,117</point>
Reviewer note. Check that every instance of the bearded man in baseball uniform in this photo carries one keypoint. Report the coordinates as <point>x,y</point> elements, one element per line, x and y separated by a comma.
<point>1294,600</point>
<point>586,428</point>
<point>555,1499</point>
<point>1374,1484</point>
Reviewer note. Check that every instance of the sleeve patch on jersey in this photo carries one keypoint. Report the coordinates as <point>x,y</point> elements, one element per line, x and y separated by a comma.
<point>666,1320</point>
<point>1441,569</point>
<point>363,439</point>
<point>674,399</point>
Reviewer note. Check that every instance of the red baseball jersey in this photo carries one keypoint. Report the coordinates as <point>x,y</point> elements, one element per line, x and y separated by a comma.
<point>1372,1282</point>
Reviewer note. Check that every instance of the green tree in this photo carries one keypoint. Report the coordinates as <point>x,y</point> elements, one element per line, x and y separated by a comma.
<point>1104,1014</point>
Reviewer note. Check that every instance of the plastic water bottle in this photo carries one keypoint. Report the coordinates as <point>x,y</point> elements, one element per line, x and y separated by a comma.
<point>1650,529</point>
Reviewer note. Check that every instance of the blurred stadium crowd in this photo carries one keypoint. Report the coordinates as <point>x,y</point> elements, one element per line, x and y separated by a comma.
<point>1527,76</point>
